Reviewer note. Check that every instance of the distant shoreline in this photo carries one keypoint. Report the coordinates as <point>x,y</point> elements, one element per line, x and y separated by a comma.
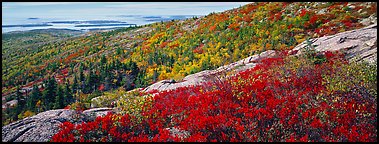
<point>64,29</point>
<point>102,25</point>
<point>27,25</point>
<point>89,25</point>
<point>48,29</point>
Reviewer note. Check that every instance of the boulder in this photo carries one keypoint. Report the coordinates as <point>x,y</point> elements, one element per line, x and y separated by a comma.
<point>358,45</point>
<point>370,20</point>
<point>209,75</point>
<point>91,114</point>
<point>41,127</point>
<point>11,103</point>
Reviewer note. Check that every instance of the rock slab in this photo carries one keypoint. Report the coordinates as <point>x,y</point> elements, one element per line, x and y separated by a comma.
<point>41,127</point>
<point>358,45</point>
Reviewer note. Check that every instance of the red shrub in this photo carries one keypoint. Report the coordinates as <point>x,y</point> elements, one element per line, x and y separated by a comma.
<point>270,102</point>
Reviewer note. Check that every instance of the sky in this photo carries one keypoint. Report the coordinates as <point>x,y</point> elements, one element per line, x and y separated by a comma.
<point>13,11</point>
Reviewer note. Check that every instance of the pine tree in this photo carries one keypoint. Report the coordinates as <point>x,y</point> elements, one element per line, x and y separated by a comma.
<point>20,105</point>
<point>59,100</point>
<point>68,98</point>
<point>92,82</point>
<point>87,83</point>
<point>81,74</point>
<point>155,75</point>
<point>140,80</point>
<point>74,86</point>
<point>107,82</point>
<point>33,98</point>
<point>103,60</point>
<point>49,94</point>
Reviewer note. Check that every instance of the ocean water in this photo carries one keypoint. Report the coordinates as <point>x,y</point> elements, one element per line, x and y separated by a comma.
<point>23,24</point>
<point>22,16</point>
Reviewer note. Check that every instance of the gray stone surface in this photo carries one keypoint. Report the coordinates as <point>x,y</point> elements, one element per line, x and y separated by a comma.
<point>178,133</point>
<point>359,45</point>
<point>41,127</point>
<point>370,20</point>
<point>207,75</point>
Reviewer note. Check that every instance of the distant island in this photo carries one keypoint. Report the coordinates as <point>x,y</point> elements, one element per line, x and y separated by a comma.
<point>89,21</point>
<point>32,18</point>
<point>167,18</point>
<point>157,20</point>
<point>152,17</point>
<point>101,25</point>
<point>28,25</point>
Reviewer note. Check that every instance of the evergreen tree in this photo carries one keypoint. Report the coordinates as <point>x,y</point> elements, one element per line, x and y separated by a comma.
<point>140,80</point>
<point>81,74</point>
<point>155,75</point>
<point>68,98</point>
<point>92,82</point>
<point>103,60</point>
<point>87,83</point>
<point>119,79</point>
<point>33,98</point>
<point>118,51</point>
<point>133,67</point>
<point>107,82</point>
<point>59,100</point>
<point>19,107</point>
<point>74,86</point>
<point>49,94</point>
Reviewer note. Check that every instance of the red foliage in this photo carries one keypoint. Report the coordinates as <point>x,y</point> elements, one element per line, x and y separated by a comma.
<point>199,49</point>
<point>313,19</point>
<point>212,28</point>
<point>71,56</point>
<point>67,107</point>
<point>248,9</point>
<point>101,87</point>
<point>234,26</point>
<point>247,18</point>
<point>174,45</point>
<point>258,104</point>
<point>303,12</point>
<point>162,45</point>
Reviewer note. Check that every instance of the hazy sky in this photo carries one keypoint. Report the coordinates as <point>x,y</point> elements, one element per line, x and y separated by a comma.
<point>98,10</point>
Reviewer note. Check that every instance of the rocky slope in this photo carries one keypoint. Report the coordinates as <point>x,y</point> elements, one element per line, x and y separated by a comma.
<point>359,45</point>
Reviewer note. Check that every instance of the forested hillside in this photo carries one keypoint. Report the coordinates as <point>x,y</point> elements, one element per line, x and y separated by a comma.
<point>18,46</point>
<point>44,73</point>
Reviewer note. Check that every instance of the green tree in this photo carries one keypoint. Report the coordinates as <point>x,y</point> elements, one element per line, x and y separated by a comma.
<point>48,96</point>
<point>19,107</point>
<point>103,60</point>
<point>59,99</point>
<point>33,98</point>
<point>140,80</point>
<point>68,98</point>
<point>81,74</point>
<point>75,85</point>
<point>155,75</point>
<point>132,66</point>
<point>92,82</point>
